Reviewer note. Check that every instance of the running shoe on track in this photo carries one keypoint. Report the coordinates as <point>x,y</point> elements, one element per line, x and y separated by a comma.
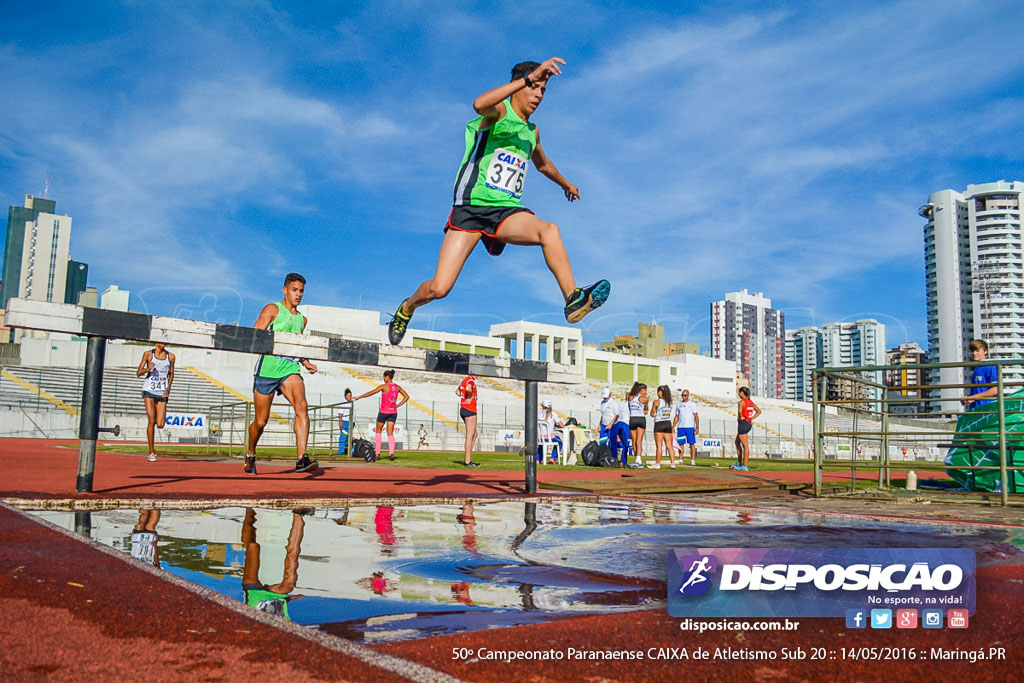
<point>396,328</point>
<point>583,301</point>
<point>306,465</point>
<point>250,464</point>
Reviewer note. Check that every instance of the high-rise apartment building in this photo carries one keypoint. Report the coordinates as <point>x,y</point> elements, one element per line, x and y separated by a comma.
<point>746,329</point>
<point>974,278</point>
<point>835,345</point>
<point>803,355</point>
<point>901,398</point>
<point>35,252</point>
<point>78,274</point>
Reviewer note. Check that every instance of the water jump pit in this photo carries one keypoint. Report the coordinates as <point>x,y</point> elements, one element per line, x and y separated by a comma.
<point>386,574</point>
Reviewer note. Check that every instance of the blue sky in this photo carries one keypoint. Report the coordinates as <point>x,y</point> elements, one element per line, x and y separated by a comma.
<point>205,149</point>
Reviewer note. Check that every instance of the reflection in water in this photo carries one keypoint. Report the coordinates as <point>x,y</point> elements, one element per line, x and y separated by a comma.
<point>271,598</point>
<point>383,573</point>
<point>145,538</point>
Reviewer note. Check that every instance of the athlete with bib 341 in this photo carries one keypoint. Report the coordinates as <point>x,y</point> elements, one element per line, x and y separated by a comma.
<point>487,206</point>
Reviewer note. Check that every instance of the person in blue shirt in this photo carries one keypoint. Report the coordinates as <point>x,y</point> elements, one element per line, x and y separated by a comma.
<point>978,396</point>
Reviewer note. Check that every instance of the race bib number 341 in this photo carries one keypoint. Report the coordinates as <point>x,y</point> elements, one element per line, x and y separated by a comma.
<point>507,172</point>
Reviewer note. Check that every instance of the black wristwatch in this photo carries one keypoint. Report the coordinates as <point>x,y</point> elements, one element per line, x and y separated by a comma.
<point>529,83</point>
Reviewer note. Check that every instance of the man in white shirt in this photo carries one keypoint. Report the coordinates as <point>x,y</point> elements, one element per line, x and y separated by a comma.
<point>687,424</point>
<point>615,426</point>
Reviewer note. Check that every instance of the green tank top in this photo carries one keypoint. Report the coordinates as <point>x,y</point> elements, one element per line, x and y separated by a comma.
<point>276,367</point>
<point>267,601</point>
<point>493,169</point>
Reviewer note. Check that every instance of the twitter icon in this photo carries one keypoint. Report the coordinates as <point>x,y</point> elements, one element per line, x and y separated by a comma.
<point>881,618</point>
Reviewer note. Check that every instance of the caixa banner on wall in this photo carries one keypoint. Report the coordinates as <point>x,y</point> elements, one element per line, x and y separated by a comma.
<point>185,421</point>
<point>816,582</point>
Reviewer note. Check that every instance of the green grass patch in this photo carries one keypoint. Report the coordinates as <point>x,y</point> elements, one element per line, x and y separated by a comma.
<point>495,461</point>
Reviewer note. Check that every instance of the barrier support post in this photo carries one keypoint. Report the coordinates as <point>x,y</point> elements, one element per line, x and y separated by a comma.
<point>530,436</point>
<point>89,425</point>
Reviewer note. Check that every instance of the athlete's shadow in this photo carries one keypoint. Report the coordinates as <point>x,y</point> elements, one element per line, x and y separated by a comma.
<point>438,480</point>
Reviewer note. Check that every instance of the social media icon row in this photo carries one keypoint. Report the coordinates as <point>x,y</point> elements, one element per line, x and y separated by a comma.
<point>905,618</point>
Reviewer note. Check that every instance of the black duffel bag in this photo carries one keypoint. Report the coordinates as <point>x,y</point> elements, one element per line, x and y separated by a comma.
<point>361,448</point>
<point>595,454</point>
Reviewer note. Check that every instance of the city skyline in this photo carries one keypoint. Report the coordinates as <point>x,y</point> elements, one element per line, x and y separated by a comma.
<point>204,152</point>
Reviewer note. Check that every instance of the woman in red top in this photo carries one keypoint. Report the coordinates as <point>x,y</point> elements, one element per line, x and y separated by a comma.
<point>746,413</point>
<point>467,411</point>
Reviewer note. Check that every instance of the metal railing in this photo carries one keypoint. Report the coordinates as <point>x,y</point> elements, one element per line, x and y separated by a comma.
<point>869,404</point>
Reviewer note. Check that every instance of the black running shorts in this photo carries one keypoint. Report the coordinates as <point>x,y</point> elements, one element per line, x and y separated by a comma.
<point>743,427</point>
<point>485,220</point>
<point>637,422</point>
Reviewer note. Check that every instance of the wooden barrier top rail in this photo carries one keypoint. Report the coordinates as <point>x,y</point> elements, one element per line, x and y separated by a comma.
<point>98,322</point>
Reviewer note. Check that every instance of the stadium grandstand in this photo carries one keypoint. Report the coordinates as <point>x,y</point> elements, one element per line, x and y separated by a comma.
<point>41,393</point>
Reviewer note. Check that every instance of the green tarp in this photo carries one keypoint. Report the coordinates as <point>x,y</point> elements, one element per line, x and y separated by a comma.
<point>985,448</point>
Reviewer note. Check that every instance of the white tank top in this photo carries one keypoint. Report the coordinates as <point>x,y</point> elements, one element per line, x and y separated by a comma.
<point>663,413</point>
<point>156,380</point>
<point>636,407</point>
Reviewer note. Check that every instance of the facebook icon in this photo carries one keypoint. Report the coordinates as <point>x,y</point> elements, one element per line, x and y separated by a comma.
<point>856,618</point>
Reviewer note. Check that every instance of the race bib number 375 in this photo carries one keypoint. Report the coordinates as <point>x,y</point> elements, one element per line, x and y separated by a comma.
<point>507,172</point>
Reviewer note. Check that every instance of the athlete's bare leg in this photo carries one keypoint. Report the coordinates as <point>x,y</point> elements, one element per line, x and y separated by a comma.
<point>150,421</point>
<point>261,413</point>
<point>294,390</point>
<point>455,249</point>
<point>525,229</point>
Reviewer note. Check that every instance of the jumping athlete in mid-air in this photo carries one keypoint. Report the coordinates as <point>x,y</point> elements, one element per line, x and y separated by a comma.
<point>487,206</point>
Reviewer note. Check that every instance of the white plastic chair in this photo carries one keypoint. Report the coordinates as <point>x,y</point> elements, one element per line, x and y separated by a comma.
<point>546,442</point>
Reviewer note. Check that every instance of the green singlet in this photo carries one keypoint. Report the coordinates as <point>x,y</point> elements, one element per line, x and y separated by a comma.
<point>493,170</point>
<point>267,601</point>
<point>276,367</point>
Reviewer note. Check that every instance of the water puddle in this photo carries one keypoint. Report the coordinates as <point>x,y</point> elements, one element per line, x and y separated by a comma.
<point>381,574</point>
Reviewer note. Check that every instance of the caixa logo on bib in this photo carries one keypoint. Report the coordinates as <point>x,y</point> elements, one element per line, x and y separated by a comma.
<point>816,582</point>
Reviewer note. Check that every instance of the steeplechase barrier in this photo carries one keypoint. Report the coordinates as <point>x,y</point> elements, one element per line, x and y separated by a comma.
<point>98,325</point>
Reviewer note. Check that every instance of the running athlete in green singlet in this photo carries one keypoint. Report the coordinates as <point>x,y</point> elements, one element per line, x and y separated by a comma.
<point>500,144</point>
<point>280,375</point>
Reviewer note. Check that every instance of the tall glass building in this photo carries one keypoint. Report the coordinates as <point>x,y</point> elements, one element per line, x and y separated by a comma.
<point>974,277</point>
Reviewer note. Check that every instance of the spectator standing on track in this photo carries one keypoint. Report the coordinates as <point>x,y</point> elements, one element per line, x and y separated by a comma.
<point>662,411</point>
<point>344,421</point>
<point>388,414</point>
<point>687,423</point>
<point>638,419</point>
<point>620,434</point>
<point>157,366</point>
<point>746,413</point>
<point>467,411</point>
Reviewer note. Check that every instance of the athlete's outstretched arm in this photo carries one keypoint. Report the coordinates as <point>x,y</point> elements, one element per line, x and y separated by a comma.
<point>371,392</point>
<point>490,104</point>
<point>547,167</point>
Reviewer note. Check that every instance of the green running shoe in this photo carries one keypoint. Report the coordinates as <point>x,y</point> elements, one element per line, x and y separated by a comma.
<point>583,301</point>
<point>396,328</point>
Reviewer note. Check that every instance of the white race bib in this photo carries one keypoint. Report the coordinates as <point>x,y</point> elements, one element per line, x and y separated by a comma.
<point>507,172</point>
